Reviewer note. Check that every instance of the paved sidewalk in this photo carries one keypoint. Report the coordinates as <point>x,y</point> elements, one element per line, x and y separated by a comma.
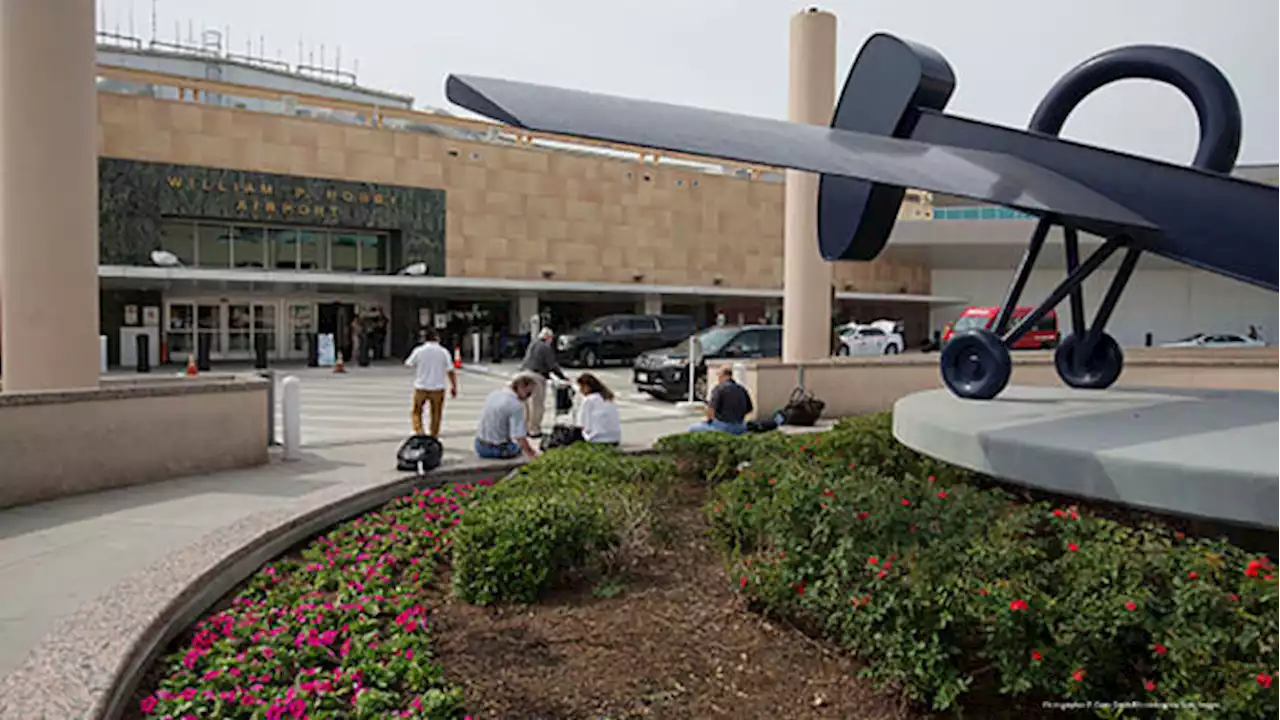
<point>57,555</point>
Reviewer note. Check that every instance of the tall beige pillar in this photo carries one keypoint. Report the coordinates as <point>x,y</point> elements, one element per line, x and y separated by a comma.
<point>48,195</point>
<point>811,98</point>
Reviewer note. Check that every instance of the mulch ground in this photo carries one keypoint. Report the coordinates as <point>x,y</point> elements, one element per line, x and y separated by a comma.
<point>676,642</point>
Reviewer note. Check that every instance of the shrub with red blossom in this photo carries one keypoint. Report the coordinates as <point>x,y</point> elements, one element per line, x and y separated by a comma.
<point>977,586</point>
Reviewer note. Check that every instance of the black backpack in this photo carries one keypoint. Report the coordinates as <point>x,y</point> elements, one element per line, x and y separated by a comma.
<point>561,436</point>
<point>419,454</point>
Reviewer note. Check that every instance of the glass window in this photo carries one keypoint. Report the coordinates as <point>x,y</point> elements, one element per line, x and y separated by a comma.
<point>772,346</point>
<point>1048,323</point>
<point>264,326</point>
<point>344,252</point>
<point>642,325</point>
<point>746,344</point>
<point>872,332</point>
<point>239,323</point>
<point>369,248</point>
<point>313,253</point>
<point>247,246</point>
<point>282,249</point>
<point>214,250</point>
<point>179,238</point>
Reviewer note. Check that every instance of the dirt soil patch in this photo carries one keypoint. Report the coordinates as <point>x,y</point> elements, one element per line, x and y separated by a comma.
<point>676,642</point>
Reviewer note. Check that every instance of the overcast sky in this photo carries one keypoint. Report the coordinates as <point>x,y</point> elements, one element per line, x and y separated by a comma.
<point>732,56</point>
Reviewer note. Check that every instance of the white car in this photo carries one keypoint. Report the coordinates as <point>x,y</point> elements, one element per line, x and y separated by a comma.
<point>882,337</point>
<point>1216,340</point>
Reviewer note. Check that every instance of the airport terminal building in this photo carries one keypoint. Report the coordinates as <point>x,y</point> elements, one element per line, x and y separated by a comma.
<point>287,204</point>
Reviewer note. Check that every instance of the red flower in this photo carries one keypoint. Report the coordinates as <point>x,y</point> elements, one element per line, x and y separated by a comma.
<point>747,506</point>
<point>1160,649</point>
<point>1036,656</point>
<point>1264,680</point>
<point>932,479</point>
<point>742,582</point>
<point>1150,685</point>
<point>1179,535</point>
<point>1131,606</point>
<point>983,592</point>
<point>1073,547</point>
<point>853,465</point>
<point>943,494</point>
<point>1253,568</point>
<point>873,560</point>
<point>827,492</point>
<point>864,515</point>
<point>881,574</point>
<point>905,502</point>
<point>1233,597</point>
<point>1192,575</point>
<point>1017,605</point>
<point>1057,512</point>
<point>1078,675</point>
<point>773,480</point>
<point>800,588</point>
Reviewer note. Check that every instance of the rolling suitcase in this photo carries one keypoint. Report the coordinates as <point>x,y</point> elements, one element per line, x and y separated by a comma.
<point>563,432</point>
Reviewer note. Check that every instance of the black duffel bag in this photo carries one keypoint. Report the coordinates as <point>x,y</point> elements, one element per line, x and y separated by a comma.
<point>561,435</point>
<point>803,410</point>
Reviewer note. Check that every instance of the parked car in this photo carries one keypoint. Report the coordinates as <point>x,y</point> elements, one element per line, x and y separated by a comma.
<point>1043,336</point>
<point>621,338</point>
<point>664,374</point>
<point>882,337</point>
<point>1216,340</point>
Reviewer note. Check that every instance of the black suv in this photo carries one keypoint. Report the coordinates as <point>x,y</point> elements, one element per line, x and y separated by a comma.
<point>621,338</point>
<point>664,373</point>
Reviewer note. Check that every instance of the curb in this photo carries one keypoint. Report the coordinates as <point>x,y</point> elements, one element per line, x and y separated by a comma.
<point>89,666</point>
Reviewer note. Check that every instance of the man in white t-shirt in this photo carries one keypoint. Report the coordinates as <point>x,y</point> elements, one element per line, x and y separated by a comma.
<point>432,368</point>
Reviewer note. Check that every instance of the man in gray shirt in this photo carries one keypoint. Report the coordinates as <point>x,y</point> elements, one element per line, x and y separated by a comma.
<point>540,361</point>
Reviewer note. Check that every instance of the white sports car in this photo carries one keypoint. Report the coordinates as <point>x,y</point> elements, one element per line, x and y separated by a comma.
<point>882,337</point>
<point>1216,340</point>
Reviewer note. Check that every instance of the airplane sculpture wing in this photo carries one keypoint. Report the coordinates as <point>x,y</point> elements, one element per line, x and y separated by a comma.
<point>980,175</point>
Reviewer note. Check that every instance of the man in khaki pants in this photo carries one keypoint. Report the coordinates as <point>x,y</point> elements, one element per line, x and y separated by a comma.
<point>432,365</point>
<point>540,361</point>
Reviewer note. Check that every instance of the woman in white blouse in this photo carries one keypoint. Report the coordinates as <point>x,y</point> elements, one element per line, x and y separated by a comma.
<point>598,414</point>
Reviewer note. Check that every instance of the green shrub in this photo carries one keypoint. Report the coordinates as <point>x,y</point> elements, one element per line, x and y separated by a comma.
<point>940,584</point>
<point>568,510</point>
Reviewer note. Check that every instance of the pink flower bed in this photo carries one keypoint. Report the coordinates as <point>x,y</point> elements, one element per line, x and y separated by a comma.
<point>337,630</point>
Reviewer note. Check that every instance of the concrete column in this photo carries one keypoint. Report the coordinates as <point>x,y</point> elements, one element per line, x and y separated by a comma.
<point>811,97</point>
<point>48,195</point>
<point>523,307</point>
<point>652,305</point>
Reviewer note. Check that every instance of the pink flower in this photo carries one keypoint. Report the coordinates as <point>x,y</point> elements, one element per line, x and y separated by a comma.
<point>148,704</point>
<point>1131,606</point>
<point>1017,605</point>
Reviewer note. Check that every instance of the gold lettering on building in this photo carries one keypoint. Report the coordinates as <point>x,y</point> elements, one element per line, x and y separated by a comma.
<point>364,198</point>
<point>175,182</point>
<point>299,193</point>
<point>286,208</point>
<point>267,188</point>
<point>303,209</point>
<point>348,196</point>
<point>242,206</point>
<point>378,199</point>
<point>333,210</point>
<point>318,211</point>
<point>269,207</point>
<point>330,194</point>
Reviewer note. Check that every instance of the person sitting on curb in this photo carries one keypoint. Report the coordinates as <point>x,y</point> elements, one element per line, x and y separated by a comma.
<point>501,434</point>
<point>728,408</point>
<point>598,414</point>
<point>541,362</point>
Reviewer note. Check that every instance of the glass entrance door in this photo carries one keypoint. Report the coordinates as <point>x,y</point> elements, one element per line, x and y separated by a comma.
<point>301,324</point>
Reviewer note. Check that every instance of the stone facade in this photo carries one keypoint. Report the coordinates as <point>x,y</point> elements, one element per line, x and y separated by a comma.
<point>512,213</point>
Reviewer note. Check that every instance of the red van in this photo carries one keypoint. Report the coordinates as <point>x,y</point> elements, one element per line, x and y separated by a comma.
<point>1043,335</point>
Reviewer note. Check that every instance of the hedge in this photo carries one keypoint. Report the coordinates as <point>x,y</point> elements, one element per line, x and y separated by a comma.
<point>567,511</point>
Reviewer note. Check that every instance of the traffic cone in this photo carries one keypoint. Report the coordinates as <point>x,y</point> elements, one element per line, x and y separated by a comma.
<point>338,367</point>
<point>191,365</point>
<point>457,358</point>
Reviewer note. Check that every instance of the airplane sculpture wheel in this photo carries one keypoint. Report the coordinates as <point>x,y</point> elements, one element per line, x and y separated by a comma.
<point>889,133</point>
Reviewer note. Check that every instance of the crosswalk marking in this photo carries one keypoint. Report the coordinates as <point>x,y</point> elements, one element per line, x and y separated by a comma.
<point>373,404</point>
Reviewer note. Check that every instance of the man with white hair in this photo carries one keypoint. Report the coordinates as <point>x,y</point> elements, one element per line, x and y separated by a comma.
<point>540,361</point>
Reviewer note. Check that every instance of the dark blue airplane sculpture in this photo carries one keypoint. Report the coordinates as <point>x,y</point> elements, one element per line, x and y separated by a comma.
<point>889,133</point>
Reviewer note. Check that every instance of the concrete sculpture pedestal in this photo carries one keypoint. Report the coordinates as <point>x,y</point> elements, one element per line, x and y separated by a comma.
<point>1197,453</point>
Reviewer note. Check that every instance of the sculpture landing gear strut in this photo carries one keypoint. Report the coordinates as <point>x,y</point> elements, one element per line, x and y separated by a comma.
<point>976,363</point>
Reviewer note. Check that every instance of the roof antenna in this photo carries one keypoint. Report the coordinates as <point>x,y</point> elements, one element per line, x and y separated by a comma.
<point>154,32</point>
<point>131,28</point>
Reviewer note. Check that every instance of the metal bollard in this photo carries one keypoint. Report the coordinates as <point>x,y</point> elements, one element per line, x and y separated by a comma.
<point>475,348</point>
<point>291,416</point>
<point>102,354</point>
